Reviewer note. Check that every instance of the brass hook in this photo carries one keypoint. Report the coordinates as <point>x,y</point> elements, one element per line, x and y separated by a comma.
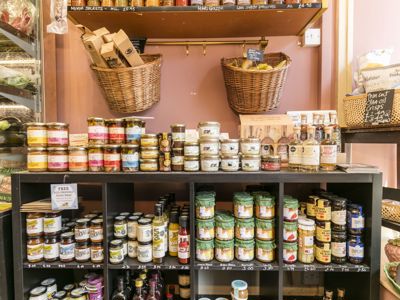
<point>187,49</point>
<point>204,49</point>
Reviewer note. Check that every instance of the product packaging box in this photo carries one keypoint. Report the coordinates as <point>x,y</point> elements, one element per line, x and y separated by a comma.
<point>296,115</point>
<point>126,49</point>
<point>93,46</point>
<point>108,38</point>
<point>108,52</point>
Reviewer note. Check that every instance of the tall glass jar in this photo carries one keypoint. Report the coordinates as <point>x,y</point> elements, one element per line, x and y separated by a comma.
<point>37,159</point>
<point>97,129</point>
<point>96,158</point>
<point>57,135</point>
<point>78,159</point>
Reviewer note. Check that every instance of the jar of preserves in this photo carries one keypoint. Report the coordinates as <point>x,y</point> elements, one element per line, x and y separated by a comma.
<point>67,247</point>
<point>210,163</point>
<point>37,159</point>
<point>50,285</point>
<point>178,160</point>
<point>96,231</point>
<point>251,163</point>
<point>34,249</point>
<point>82,230</point>
<point>250,146</point>
<point>116,252</point>
<point>34,224</point>
<point>130,158</point>
<point>239,290</point>
<point>96,253</point>
<point>290,209</point>
<point>38,293</point>
<point>133,131</point>
<point>339,246</point>
<point>229,147</point>
<point>78,159</point>
<point>78,2</point>
<point>112,158</point>
<point>265,206</point>
<point>51,248</point>
<point>149,140</point>
<point>228,2</point>
<point>97,131</point>
<point>355,249</point>
<point>144,231</point>
<point>265,229</point>
<point>36,134</point>
<point>191,164</point>
<point>82,252</point>
<point>96,158</point>
<point>212,2</point>
<point>116,130</point>
<point>57,159</point>
<point>120,227</point>
<point>323,252</point>
<point>244,229</point>
<point>339,212</point>
<point>52,223</point>
<point>244,250</point>
<point>57,135</point>
<point>323,231</point>
<point>132,248</point>
<point>224,250</point>
<point>209,130</point>
<point>265,251</point>
<point>290,253</point>
<point>230,163</point>
<point>204,250</point>
<point>191,149</point>
<point>205,229</point>
<point>306,240</point>
<point>132,226</point>
<point>165,142</point>
<point>243,205</point>
<point>355,219</point>
<point>165,162</point>
<point>209,146</point>
<point>323,210</point>
<point>271,163</point>
<point>311,204</point>
<point>205,204</point>
<point>178,132</point>
<point>145,252</point>
<point>224,227</point>
<point>149,152</point>
<point>290,231</point>
<point>93,3</point>
<point>148,165</point>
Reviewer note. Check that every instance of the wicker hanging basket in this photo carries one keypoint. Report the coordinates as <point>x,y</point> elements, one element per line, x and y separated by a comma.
<point>255,91</point>
<point>130,90</point>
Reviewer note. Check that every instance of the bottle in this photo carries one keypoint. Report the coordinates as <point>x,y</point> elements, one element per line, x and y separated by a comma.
<point>119,293</point>
<point>159,235</point>
<point>328,151</point>
<point>139,293</point>
<point>328,295</point>
<point>165,216</point>
<point>145,285</point>
<point>183,241</point>
<point>173,230</point>
<point>127,280</point>
<point>170,296</point>
<point>304,125</point>
<point>319,128</point>
<point>296,151</point>
<point>340,294</point>
<point>267,143</point>
<point>283,146</point>
<point>152,293</point>
<point>336,134</point>
<point>311,152</point>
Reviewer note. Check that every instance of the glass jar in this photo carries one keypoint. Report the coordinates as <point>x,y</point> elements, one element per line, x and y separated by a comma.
<point>78,2</point>
<point>93,3</point>
<point>323,252</point>
<point>228,2</point>
<point>34,249</point>
<point>339,212</point>
<point>130,158</point>
<point>178,160</point>
<point>57,135</point>
<point>204,250</point>
<point>191,164</point>
<point>148,165</point>
<point>145,252</point>
<point>144,232</point>
<point>34,224</point>
<point>205,206</point>
<point>250,146</point>
<point>224,227</point>
<point>112,158</point>
<point>165,142</point>
<point>96,158</point>
<point>96,253</point>
<point>82,230</point>
<point>265,229</point>
<point>82,252</point>
<point>243,205</point>
<point>265,207</point>
<point>116,252</point>
<point>52,223</point>
<point>120,227</point>
<point>97,131</point>
<point>265,251</point>
<point>50,285</point>
<point>224,250</point>
<point>165,162</point>
<point>79,293</point>
<point>149,152</point>
<point>230,163</point>
<point>290,253</point>
<point>239,290</point>
<point>271,163</point>
<point>306,240</point>
<point>311,204</point>
<point>51,248</point>
<point>78,159</point>
<point>96,231</point>
<point>209,129</point>
<point>229,147</point>
<point>210,163</point>
<point>133,226</point>
<point>132,248</point>
<point>211,2</point>
<point>37,159</point>
<point>191,149</point>
<point>290,209</point>
<point>323,231</point>
<point>290,231</point>
<point>355,249</point>
<point>134,129</point>
<point>149,140</point>
<point>116,129</point>
<point>251,163</point>
<point>323,210</point>
<point>38,293</point>
<point>244,229</point>
<point>339,246</point>
<point>244,250</point>
<point>57,159</point>
<point>205,229</point>
<point>178,132</point>
<point>36,134</point>
<point>67,247</point>
<point>209,146</point>
<point>355,219</point>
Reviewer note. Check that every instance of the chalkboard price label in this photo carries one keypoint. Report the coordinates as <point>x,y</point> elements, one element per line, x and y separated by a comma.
<point>379,107</point>
<point>255,55</point>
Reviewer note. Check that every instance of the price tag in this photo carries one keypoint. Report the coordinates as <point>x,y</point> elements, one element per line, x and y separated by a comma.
<point>255,55</point>
<point>64,196</point>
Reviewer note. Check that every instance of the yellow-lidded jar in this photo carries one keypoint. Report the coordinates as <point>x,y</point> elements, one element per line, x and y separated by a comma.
<point>37,159</point>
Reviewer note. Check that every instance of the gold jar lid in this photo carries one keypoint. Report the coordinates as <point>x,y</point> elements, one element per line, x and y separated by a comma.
<point>250,140</point>
<point>251,156</point>
<point>230,141</point>
<point>95,146</point>
<point>37,149</point>
<point>149,136</point>
<point>114,120</point>
<point>230,157</point>
<point>95,119</point>
<point>112,146</point>
<point>209,123</point>
<point>191,144</point>
<point>210,157</point>
<point>77,148</point>
<point>132,146</point>
<point>149,149</point>
<point>209,140</point>
<point>191,158</point>
<point>35,124</point>
<point>50,149</point>
<point>148,161</point>
<point>178,125</point>
<point>57,124</point>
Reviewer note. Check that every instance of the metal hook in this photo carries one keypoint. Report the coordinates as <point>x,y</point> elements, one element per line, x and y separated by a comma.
<point>244,54</point>
<point>204,49</point>
<point>65,178</point>
<point>187,49</point>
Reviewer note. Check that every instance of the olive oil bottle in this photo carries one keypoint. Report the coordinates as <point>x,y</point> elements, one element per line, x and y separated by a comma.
<point>159,235</point>
<point>295,151</point>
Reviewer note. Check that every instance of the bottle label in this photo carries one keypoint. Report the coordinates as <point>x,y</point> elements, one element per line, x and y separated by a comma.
<point>34,252</point>
<point>173,241</point>
<point>267,149</point>
<point>183,246</point>
<point>339,249</point>
<point>295,154</point>
<point>67,251</point>
<point>356,251</point>
<point>319,134</point>
<point>311,155</point>
<point>339,217</point>
<point>328,154</point>
<point>283,152</point>
<point>159,236</point>
<point>34,226</point>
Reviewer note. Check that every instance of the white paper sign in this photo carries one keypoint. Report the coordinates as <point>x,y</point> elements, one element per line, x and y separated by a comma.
<point>64,196</point>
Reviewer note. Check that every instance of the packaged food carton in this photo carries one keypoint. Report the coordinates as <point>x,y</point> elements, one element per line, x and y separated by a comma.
<point>93,46</point>
<point>109,53</point>
<point>126,49</point>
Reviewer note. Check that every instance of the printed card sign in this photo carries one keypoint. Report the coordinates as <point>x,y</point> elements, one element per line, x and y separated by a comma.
<point>379,106</point>
<point>64,196</point>
<point>255,55</point>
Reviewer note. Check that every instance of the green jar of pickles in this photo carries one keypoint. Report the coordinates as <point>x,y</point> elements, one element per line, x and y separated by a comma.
<point>224,226</point>
<point>204,250</point>
<point>243,205</point>
<point>205,203</point>
<point>205,229</point>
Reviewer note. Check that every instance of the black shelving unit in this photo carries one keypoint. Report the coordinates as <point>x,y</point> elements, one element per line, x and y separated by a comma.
<point>118,192</point>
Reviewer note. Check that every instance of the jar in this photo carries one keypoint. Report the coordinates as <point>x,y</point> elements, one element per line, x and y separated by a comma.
<point>130,158</point>
<point>265,207</point>
<point>78,2</point>
<point>204,250</point>
<point>50,285</point>
<point>78,159</point>
<point>244,250</point>
<point>290,231</point>
<point>116,131</point>
<point>112,158</point>
<point>67,247</point>
<point>323,231</point>
<point>228,2</point>
<point>191,149</point>
<point>149,140</point>
<point>34,249</point>
<point>230,163</point>
<point>34,224</point>
<point>323,252</point>
<point>323,210</point>
<point>244,229</point>
<point>178,160</point>
<point>303,209</point>
<point>184,292</point>
<point>290,209</point>
<point>57,135</point>
<point>120,227</point>
<point>68,288</point>
<point>148,165</point>
<point>205,229</point>
<point>310,1</point>
<point>224,250</point>
<point>243,205</point>
<point>265,251</point>
<point>51,248</point>
<point>290,253</point>
<point>265,229</point>
<point>145,252</point>
<point>57,159</point>
<point>306,240</point>
<point>184,278</point>
<point>116,252</point>
<point>209,146</point>
<point>149,152</point>
<point>52,223</point>
<point>38,293</point>
<point>132,248</point>
<point>229,147</point>
<point>165,162</point>
<point>339,206</point>
<point>191,164</point>
<point>132,227</point>
<point>96,253</point>
<point>205,206</point>
<point>209,130</point>
<point>82,252</point>
<point>210,163</point>
<point>311,204</point>
<point>37,159</point>
<point>178,132</point>
<point>82,230</point>
<point>243,2</point>
<point>355,219</point>
<point>96,231</point>
<point>224,227</point>
<point>144,231</point>
<point>93,3</point>
<point>293,1</point>
<point>36,134</point>
<point>96,158</point>
<point>250,146</point>
<point>251,163</point>
<point>239,290</point>
<point>79,293</point>
<point>339,246</point>
<point>271,163</point>
<point>165,142</point>
<point>60,295</point>
<point>97,131</point>
<point>355,249</point>
<point>133,131</point>
<point>211,2</point>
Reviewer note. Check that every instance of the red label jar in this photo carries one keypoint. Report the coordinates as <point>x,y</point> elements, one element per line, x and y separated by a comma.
<point>112,158</point>
<point>116,131</point>
<point>57,159</point>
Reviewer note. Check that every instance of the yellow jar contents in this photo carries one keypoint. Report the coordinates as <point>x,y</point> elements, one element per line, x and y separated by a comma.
<point>244,229</point>
<point>224,227</point>
<point>37,159</point>
<point>243,205</point>
<point>36,134</point>
<point>265,229</point>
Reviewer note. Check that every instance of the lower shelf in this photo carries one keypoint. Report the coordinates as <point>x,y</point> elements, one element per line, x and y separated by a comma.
<point>317,267</point>
<point>170,263</point>
<point>236,266</point>
<point>61,265</point>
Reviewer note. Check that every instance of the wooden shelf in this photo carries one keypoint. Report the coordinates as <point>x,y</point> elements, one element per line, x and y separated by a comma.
<point>201,21</point>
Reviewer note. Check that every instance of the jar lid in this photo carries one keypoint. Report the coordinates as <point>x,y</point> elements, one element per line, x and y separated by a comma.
<point>290,225</point>
<point>149,216</point>
<point>178,125</point>
<point>209,140</point>
<point>224,244</point>
<point>177,149</point>
<point>259,192</point>
<point>224,221</point>
<point>273,158</point>
<point>355,207</point>
<point>230,157</point>
<point>247,223</point>
<point>120,218</point>
<point>67,235</point>
<point>82,243</point>
<point>57,124</point>
<point>291,203</point>
<point>132,119</point>
<point>290,246</point>
<point>149,149</point>
<point>239,285</point>
<point>114,120</point>
<point>251,157</point>
<point>73,148</point>
<point>95,147</point>
<point>37,291</point>
<point>130,146</point>
<point>78,292</point>
<point>35,124</point>
<point>95,119</point>
<point>82,221</point>
<point>264,200</point>
<point>204,245</point>
<point>69,287</point>
<point>209,123</point>
<point>250,140</point>
<point>144,221</point>
<point>149,136</point>
<point>60,295</point>
<point>70,224</point>
<point>210,192</point>
<point>205,200</point>
<point>112,146</point>
<point>265,224</point>
<point>138,213</point>
<point>243,198</point>
<point>133,218</point>
<point>191,144</point>
<point>306,222</point>
<point>116,243</point>
<point>228,141</point>
<point>244,244</point>
<point>97,221</point>
<point>191,158</point>
<point>48,282</point>
<point>209,223</point>
<point>37,149</point>
<point>267,245</point>
<point>34,237</point>
<point>50,149</point>
<point>210,157</point>
<point>144,243</point>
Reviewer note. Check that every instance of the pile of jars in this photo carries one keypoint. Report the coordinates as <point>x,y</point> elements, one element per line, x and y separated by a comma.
<point>91,287</point>
<point>51,238</point>
<point>241,236</point>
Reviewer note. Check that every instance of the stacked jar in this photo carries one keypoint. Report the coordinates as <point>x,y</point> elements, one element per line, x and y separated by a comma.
<point>355,229</point>
<point>165,144</point>
<point>339,236</point>
<point>178,141</point>
<point>209,133</point>
<point>149,153</point>
<point>250,150</point>
<point>230,161</point>
<point>118,248</point>
<point>323,234</point>
<point>191,150</point>
<point>290,225</point>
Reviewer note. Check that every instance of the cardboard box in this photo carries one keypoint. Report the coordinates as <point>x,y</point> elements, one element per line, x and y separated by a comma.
<point>101,31</point>
<point>126,49</point>
<point>108,38</point>
<point>109,53</point>
<point>93,46</point>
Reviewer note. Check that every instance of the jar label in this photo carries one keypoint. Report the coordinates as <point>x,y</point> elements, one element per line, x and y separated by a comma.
<point>339,249</point>
<point>67,251</point>
<point>311,154</point>
<point>209,165</point>
<point>96,159</point>
<point>159,235</point>
<point>357,222</point>
<point>246,233</point>
<point>323,234</point>
<point>289,235</point>
<point>224,234</point>
<point>57,137</point>
<point>51,251</point>
<point>132,230</point>
<point>77,159</point>
<point>250,148</point>
<point>145,253</point>
<point>183,246</point>
<point>244,211</point>
<point>82,254</point>
<point>132,249</point>
<point>265,234</point>
<point>116,256</point>
<point>133,133</point>
<point>323,213</point>
<point>339,217</point>
<point>58,160</point>
<point>209,148</point>
<point>96,234</point>
<point>37,136</point>
<point>265,255</point>
<point>34,226</point>
<point>205,233</point>
<point>295,154</point>
<point>289,255</point>
<point>144,234</point>
<point>112,159</point>
<point>245,254</point>
<point>306,241</point>
<point>52,225</point>
<point>290,214</point>
<point>230,148</point>
<point>81,234</point>
<point>328,154</point>
<point>96,255</point>
<point>178,136</point>
<point>322,254</point>
<point>206,212</point>
<point>191,165</point>
<point>116,133</point>
<point>267,149</point>
<point>209,131</point>
<point>178,160</point>
<point>120,230</point>
<point>34,252</point>
<point>130,160</point>
<point>310,210</point>
<point>173,241</point>
<point>356,251</point>
<point>230,164</point>
<point>319,134</point>
<point>191,150</point>
<point>97,132</point>
<point>37,161</point>
<point>224,254</point>
<point>266,212</point>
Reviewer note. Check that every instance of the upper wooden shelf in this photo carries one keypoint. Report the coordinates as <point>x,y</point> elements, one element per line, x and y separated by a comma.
<point>201,21</point>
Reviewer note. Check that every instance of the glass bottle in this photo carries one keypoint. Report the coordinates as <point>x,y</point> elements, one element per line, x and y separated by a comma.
<point>336,134</point>
<point>328,151</point>
<point>340,294</point>
<point>267,143</point>
<point>170,296</point>
<point>173,230</point>
<point>165,217</point>
<point>119,293</point>
<point>319,128</point>
<point>328,295</point>
<point>139,295</point>
<point>283,146</point>
<point>303,135</point>
<point>159,235</point>
<point>159,287</point>
<point>296,150</point>
<point>128,287</point>
<point>183,241</point>
<point>311,152</point>
<point>152,293</point>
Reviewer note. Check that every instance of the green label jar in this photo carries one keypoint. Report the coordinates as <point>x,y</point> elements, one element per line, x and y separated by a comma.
<point>265,229</point>
<point>204,250</point>
<point>243,205</point>
<point>290,231</point>
<point>244,250</point>
<point>205,206</point>
<point>224,250</point>
<point>244,229</point>
<point>265,251</point>
<point>265,206</point>
<point>205,229</point>
<point>224,227</point>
